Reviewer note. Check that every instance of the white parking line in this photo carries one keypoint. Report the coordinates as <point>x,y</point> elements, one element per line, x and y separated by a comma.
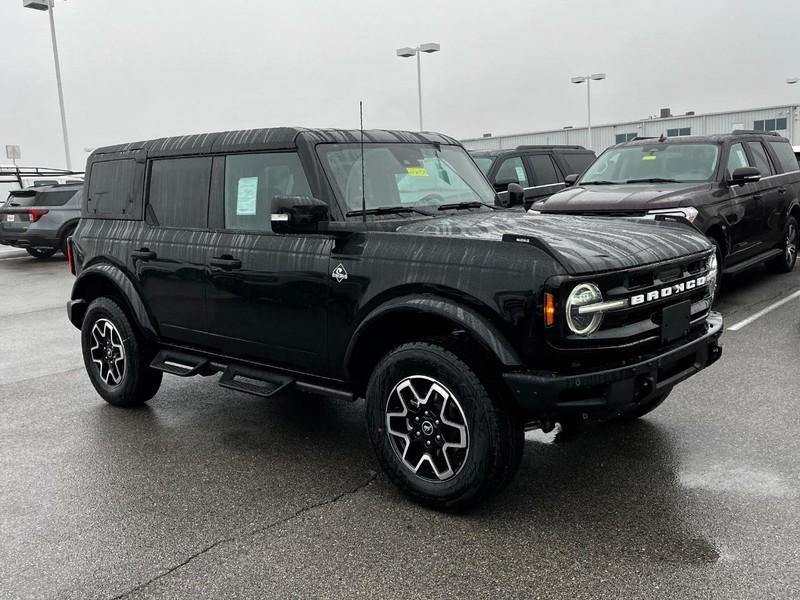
<point>763,311</point>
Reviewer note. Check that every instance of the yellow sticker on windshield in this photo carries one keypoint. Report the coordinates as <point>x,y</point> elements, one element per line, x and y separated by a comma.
<point>649,157</point>
<point>417,171</point>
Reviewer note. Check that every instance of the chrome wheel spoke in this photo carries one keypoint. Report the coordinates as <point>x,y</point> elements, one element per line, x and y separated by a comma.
<point>427,428</point>
<point>107,352</point>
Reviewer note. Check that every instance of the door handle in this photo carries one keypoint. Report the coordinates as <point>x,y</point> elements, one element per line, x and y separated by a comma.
<point>781,190</point>
<point>143,254</point>
<point>226,262</point>
<point>757,196</point>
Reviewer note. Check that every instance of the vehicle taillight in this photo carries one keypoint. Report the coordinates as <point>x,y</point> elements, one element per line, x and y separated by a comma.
<point>36,213</point>
<point>70,257</point>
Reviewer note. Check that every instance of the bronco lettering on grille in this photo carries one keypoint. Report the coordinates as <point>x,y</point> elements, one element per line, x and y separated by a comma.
<point>665,292</point>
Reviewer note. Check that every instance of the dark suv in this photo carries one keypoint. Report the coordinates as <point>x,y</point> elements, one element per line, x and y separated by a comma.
<point>540,170</point>
<point>742,190</point>
<point>40,219</point>
<point>379,267</point>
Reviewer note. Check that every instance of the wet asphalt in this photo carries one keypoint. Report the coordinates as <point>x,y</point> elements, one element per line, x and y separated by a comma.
<point>209,493</point>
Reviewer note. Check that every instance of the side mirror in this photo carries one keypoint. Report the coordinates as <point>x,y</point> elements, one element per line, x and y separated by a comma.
<point>571,179</point>
<point>298,213</point>
<point>743,175</point>
<point>516,195</point>
<point>501,185</point>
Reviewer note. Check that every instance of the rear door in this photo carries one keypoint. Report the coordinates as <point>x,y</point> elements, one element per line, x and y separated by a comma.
<point>770,195</point>
<point>547,177</point>
<point>743,213</point>
<point>169,252</point>
<point>268,292</point>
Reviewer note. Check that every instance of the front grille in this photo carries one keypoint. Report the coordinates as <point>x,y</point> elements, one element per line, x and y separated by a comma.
<point>640,324</point>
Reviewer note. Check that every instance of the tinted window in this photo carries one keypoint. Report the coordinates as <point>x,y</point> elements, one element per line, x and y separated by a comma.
<point>544,171</point>
<point>785,155</point>
<point>512,169</point>
<point>760,157</point>
<point>115,189</point>
<point>179,191</point>
<point>737,158</point>
<point>59,198</point>
<point>253,180</point>
<point>577,163</point>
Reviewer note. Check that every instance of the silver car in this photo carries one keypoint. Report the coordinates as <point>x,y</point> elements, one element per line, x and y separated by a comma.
<point>40,219</point>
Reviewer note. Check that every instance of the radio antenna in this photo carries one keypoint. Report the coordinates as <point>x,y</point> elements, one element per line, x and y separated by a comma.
<point>363,178</point>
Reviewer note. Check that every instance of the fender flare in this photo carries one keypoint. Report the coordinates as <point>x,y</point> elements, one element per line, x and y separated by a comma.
<point>113,275</point>
<point>480,328</point>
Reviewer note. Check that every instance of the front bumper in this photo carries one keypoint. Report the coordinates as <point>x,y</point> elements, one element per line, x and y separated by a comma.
<point>603,393</point>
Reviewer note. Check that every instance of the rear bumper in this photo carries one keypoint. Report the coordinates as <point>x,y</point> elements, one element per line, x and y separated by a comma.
<point>22,239</point>
<point>599,394</point>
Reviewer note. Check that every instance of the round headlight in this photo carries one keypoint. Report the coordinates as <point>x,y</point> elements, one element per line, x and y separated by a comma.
<point>713,274</point>
<point>583,294</point>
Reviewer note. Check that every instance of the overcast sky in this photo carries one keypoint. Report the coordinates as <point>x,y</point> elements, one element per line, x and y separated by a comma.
<point>137,69</point>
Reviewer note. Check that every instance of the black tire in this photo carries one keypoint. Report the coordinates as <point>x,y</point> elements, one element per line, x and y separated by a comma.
<point>494,435</point>
<point>130,382</point>
<point>644,408</point>
<point>41,252</point>
<point>791,238</point>
<point>720,258</point>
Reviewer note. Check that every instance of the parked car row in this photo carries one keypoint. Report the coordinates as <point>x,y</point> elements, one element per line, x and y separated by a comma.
<point>379,265</point>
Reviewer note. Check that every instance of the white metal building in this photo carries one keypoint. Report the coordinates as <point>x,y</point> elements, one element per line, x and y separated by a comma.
<point>783,119</point>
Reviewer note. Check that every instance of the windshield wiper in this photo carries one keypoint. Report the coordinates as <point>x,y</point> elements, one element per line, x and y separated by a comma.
<point>465,205</point>
<point>387,210</point>
<point>599,182</point>
<point>654,180</point>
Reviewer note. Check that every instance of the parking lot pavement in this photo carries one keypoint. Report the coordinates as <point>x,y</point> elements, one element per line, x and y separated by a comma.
<point>207,493</point>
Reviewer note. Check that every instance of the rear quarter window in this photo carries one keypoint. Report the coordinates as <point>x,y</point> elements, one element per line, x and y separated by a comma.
<point>114,189</point>
<point>785,156</point>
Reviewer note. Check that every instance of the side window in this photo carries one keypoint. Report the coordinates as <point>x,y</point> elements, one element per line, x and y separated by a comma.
<point>178,194</point>
<point>253,180</point>
<point>736,158</point>
<point>760,157</point>
<point>785,155</point>
<point>115,190</point>
<point>512,169</point>
<point>544,171</point>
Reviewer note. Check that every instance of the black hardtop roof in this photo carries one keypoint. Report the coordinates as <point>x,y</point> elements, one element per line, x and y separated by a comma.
<point>709,139</point>
<point>523,148</point>
<point>269,138</point>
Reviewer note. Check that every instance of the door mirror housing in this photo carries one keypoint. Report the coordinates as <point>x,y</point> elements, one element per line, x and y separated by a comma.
<point>298,214</point>
<point>571,179</point>
<point>743,175</point>
<point>516,194</point>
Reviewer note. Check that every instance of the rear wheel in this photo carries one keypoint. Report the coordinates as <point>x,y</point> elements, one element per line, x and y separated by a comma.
<point>115,357</point>
<point>785,262</point>
<point>41,252</point>
<point>439,432</point>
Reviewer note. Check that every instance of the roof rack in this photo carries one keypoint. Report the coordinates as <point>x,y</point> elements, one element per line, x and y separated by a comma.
<point>644,137</point>
<point>15,174</point>
<point>540,146</point>
<point>754,132</point>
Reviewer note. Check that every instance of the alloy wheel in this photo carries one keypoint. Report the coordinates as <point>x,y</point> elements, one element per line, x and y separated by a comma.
<point>108,352</point>
<point>790,252</point>
<point>427,428</point>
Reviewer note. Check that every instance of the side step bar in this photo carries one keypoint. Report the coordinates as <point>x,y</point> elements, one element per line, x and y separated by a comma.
<point>751,262</point>
<point>181,364</point>
<point>254,381</point>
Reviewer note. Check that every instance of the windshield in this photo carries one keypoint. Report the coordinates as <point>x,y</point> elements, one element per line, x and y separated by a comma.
<point>659,162</point>
<point>404,175</point>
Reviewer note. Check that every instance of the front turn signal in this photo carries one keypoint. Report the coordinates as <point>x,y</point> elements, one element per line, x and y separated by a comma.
<point>549,310</point>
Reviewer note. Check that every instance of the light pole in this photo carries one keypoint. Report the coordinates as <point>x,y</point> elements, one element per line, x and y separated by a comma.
<point>588,80</point>
<point>409,52</point>
<point>48,6</point>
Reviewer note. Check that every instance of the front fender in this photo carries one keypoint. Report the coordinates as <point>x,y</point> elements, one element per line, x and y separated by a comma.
<point>479,328</point>
<point>101,280</point>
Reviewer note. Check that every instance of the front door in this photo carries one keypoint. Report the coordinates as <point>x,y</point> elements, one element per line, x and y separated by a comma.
<point>743,212</point>
<point>268,292</point>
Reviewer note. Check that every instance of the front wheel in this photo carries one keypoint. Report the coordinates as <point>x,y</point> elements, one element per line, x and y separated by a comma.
<point>785,262</point>
<point>41,252</point>
<point>115,357</point>
<point>438,431</point>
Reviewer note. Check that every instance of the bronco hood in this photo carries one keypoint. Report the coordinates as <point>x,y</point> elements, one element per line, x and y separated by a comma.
<point>580,244</point>
<point>621,198</point>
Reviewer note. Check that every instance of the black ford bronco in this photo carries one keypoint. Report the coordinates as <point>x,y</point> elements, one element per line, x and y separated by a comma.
<point>380,267</point>
<point>741,189</point>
